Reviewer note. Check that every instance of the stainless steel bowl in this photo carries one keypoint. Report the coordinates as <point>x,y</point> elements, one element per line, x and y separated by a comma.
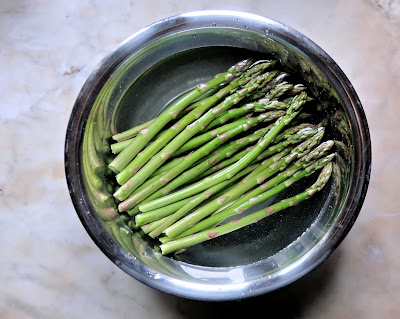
<point>162,61</point>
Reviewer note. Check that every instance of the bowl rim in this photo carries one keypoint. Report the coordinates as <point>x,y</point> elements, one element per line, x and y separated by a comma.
<point>240,20</point>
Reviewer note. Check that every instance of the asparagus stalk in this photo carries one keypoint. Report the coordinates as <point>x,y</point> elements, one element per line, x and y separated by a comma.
<point>191,175</point>
<point>264,104</point>
<point>259,106</point>
<point>248,122</point>
<point>146,134</point>
<point>308,163</point>
<point>175,161</point>
<point>145,218</point>
<point>245,109</point>
<point>167,166</point>
<point>128,134</point>
<point>118,147</point>
<point>259,175</point>
<point>292,130</point>
<point>274,88</point>
<point>160,213</point>
<point>291,139</point>
<point>203,236</point>
<point>297,89</point>
<point>233,169</point>
<point>190,190</point>
<point>197,200</point>
<point>133,211</point>
<point>206,95</point>
<point>278,91</point>
<point>147,228</point>
<point>283,146</point>
<point>205,163</point>
<point>276,81</point>
<point>156,161</point>
<point>237,145</point>
<point>169,176</point>
<point>299,134</point>
<point>178,127</point>
<point>164,179</point>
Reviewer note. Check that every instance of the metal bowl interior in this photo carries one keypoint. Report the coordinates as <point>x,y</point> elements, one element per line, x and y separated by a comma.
<point>158,64</point>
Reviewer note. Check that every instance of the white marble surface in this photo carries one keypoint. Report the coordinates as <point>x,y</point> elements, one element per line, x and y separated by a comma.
<point>50,268</point>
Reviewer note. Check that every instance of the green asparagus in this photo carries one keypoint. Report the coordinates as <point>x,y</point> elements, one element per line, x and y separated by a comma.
<point>233,169</point>
<point>309,163</point>
<point>156,161</point>
<point>264,172</point>
<point>203,236</point>
<point>146,134</point>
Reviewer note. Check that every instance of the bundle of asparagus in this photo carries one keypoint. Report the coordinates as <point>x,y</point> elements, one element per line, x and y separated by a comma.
<point>224,147</point>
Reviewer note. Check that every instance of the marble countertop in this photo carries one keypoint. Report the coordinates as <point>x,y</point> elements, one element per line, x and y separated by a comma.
<point>49,266</point>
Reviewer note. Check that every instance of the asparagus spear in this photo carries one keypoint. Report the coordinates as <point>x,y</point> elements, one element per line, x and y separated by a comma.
<point>146,206</point>
<point>178,127</point>
<point>297,89</point>
<point>259,106</point>
<point>276,81</point>
<point>248,122</point>
<point>279,147</point>
<point>188,161</point>
<point>147,228</point>
<point>291,139</point>
<point>175,161</point>
<point>233,169</point>
<point>259,175</point>
<point>292,130</point>
<point>123,136</point>
<point>236,145</point>
<point>162,180</point>
<point>145,135</point>
<point>118,147</point>
<point>160,213</point>
<point>299,134</point>
<point>197,200</point>
<point>156,161</point>
<point>309,163</point>
<point>200,237</point>
<point>263,104</point>
<point>167,166</point>
<point>200,166</point>
<point>145,218</point>
<point>278,91</point>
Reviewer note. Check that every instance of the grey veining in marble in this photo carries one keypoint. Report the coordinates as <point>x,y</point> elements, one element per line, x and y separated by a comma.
<point>50,268</point>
